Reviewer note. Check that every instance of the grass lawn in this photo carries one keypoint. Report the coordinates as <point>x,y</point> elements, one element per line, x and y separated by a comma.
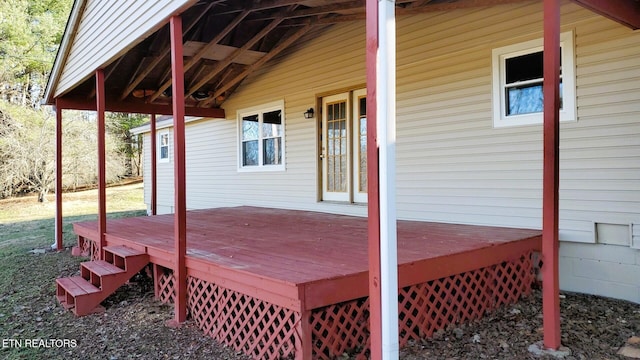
<point>25,277</point>
<point>133,324</point>
<point>27,224</point>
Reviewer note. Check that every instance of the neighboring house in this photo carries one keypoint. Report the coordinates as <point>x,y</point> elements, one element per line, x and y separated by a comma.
<point>469,133</point>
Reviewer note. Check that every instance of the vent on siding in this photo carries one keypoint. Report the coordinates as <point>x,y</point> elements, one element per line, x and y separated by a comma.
<point>612,234</point>
<point>635,235</point>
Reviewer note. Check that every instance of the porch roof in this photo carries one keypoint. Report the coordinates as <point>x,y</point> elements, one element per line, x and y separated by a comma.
<point>224,42</point>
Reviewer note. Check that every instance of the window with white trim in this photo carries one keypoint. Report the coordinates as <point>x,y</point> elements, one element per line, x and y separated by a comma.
<point>261,138</point>
<point>163,147</point>
<point>517,82</point>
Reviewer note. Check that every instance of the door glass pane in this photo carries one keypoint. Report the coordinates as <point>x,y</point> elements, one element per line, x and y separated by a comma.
<point>362,181</point>
<point>337,147</point>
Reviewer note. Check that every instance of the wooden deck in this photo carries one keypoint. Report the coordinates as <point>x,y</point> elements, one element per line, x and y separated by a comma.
<point>302,261</point>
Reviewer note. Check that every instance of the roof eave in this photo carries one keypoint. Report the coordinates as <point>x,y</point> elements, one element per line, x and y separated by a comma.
<point>63,50</point>
<point>625,12</point>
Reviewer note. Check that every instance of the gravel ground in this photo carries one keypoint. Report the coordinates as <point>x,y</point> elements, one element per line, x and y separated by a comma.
<point>133,325</point>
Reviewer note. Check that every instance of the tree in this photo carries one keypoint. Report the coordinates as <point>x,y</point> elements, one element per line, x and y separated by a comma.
<point>30,33</point>
<point>27,151</point>
<point>120,125</point>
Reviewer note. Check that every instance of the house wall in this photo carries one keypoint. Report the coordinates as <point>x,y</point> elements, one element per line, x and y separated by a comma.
<point>452,164</point>
<point>136,18</point>
<point>164,175</point>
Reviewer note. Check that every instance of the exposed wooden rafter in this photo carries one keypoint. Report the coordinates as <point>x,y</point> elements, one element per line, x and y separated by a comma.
<point>163,54</point>
<point>232,25</point>
<point>255,66</point>
<point>411,7</point>
<point>221,65</point>
<point>320,10</point>
<point>106,76</point>
<point>221,43</point>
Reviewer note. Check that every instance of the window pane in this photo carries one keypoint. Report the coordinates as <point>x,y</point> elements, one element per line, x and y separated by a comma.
<point>362,111</point>
<point>526,99</point>
<point>272,124</point>
<point>272,151</point>
<point>336,147</point>
<point>250,127</point>
<point>250,153</point>
<point>523,68</point>
<point>363,155</point>
<point>164,152</point>
<point>343,173</point>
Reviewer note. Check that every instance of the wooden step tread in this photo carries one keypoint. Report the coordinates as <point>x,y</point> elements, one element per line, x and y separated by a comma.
<point>101,268</point>
<point>77,285</point>
<point>123,251</point>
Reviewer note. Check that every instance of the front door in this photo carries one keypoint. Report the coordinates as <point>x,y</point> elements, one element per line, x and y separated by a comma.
<point>344,147</point>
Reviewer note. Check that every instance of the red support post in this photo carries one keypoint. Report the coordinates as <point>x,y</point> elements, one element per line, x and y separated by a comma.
<point>59,233</point>
<point>180,216</point>
<point>373,186</point>
<point>102,179</point>
<point>551,171</point>
<point>154,163</point>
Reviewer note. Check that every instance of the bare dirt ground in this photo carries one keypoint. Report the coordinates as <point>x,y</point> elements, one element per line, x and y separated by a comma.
<point>133,324</point>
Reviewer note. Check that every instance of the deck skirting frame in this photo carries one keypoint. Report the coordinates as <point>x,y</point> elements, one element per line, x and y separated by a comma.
<point>267,331</point>
<point>245,323</point>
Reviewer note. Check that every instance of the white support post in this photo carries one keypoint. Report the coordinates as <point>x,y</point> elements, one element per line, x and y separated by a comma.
<point>386,110</point>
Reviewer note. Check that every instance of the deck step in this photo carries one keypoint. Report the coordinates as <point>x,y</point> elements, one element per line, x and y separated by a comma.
<point>99,278</point>
<point>101,268</point>
<point>77,286</point>
<point>123,251</point>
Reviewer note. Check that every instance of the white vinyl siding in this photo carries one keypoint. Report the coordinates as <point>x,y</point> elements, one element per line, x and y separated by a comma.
<point>452,164</point>
<point>164,177</point>
<point>100,40</point>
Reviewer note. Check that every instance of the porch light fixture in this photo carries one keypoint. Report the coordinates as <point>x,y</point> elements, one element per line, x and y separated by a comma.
<point>309,113</point>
